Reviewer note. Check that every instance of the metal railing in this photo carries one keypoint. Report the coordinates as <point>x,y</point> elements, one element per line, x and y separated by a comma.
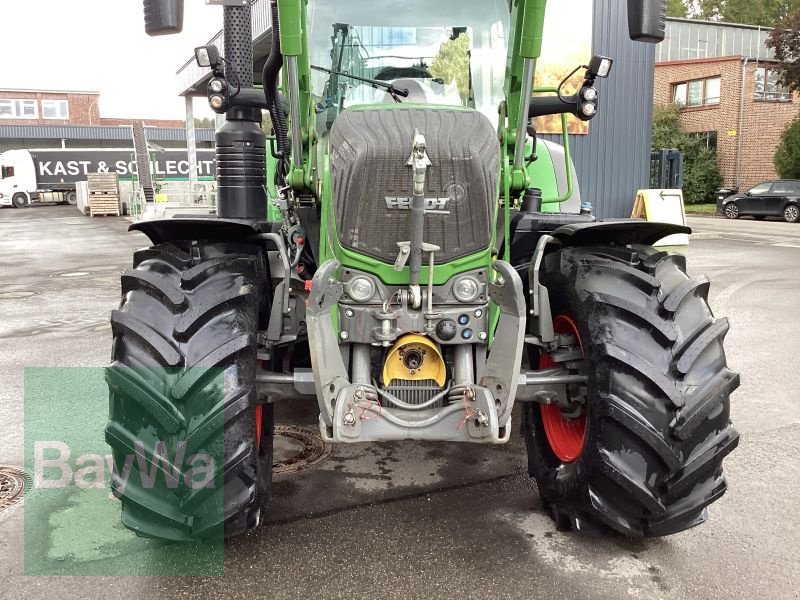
<point>189,75</point>
<point>174,196</point>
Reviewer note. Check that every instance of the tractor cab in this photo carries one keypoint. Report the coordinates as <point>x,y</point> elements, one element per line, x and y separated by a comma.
<point>447,54</point>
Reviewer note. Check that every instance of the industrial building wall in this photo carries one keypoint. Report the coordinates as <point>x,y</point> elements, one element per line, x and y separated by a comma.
<point>613,161</point>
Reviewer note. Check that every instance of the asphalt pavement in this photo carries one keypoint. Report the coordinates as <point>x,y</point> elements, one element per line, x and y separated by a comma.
<point>401,520</point>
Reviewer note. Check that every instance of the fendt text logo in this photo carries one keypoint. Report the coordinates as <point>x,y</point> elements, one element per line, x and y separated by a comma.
<point>433,206</point>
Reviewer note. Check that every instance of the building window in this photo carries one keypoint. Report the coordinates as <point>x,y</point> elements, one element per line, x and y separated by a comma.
<point>768,88</point>
<point>679,94</point>
<point>709,137</point>
<point>699,92</point>
<point>55,109</point>
<point>18,109</point>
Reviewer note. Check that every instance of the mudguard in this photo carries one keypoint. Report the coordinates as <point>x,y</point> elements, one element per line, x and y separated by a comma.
<point>210,228</point>
<point>621,232</point>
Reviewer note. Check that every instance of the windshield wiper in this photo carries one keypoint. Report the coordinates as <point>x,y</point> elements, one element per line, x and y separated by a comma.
<point>396,93</point>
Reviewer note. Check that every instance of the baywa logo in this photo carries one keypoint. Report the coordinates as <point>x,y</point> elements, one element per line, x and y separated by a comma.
<point>433,206</point>
<point>54,467</point>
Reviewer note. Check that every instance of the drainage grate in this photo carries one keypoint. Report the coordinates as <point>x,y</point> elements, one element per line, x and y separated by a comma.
<point>295,449</point>
<point>12,485</point>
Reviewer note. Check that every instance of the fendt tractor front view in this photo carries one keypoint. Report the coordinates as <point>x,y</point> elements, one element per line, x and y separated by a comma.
<point>399,252</point>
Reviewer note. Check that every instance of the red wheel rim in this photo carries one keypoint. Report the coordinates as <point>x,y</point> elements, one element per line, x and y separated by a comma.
<point>565,436</point>
<point>259,411</point>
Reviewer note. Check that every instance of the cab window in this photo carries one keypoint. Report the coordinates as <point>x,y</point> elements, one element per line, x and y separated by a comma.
<point>7,172</point>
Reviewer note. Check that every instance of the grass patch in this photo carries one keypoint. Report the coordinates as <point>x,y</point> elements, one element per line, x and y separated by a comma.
<point>701,209</point>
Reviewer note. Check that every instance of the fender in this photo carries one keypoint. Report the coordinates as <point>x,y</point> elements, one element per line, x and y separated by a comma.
<point>625,231</point>
<point>200,228</point>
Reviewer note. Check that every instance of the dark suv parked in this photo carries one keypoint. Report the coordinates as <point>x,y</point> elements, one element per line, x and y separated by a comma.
<point>778,198</point>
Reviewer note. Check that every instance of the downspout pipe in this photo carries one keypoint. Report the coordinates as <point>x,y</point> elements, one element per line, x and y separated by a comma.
<point>741,125</point>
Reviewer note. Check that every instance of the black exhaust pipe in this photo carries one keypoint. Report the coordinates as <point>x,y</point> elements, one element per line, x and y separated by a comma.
<point>241,145</point>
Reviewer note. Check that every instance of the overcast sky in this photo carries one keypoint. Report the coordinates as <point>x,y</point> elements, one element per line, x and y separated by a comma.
<point>100,45</point>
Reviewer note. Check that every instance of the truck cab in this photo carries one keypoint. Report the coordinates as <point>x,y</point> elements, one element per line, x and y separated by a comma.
<point>17,178</point>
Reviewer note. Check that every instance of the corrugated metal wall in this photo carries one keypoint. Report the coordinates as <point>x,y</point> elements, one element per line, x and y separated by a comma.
<point>687,39</point>
<point>81,132</point>
<point>613,161</point>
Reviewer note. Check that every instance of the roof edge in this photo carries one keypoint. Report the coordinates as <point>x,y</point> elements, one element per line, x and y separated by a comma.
<point>692,61</point>
<point>719,24</point>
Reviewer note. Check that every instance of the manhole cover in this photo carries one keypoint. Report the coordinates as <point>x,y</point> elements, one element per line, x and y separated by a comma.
<point>12,486</point>
<point>16,295</point>
<point>295,449</point>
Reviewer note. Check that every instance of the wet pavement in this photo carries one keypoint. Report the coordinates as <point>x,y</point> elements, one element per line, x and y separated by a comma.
<point>406,520</point>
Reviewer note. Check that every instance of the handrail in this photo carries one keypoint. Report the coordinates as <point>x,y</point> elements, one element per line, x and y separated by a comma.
<point>567,154</point>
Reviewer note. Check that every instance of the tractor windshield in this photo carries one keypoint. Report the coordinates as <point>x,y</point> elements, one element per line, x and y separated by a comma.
<point>447,53</point>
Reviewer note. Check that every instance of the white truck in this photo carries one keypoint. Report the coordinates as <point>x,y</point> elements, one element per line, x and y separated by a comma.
<point>50,175</point>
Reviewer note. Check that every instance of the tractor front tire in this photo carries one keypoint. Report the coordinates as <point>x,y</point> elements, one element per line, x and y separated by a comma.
<point>646,460</point>
<point>183,379</point>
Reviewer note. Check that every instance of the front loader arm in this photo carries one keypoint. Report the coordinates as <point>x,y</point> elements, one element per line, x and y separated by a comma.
<point>297,83</point>
<point>527,29</point>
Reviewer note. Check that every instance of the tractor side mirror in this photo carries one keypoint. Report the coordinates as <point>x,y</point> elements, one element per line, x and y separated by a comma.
<point>647,20</point>
<point>163,17</point>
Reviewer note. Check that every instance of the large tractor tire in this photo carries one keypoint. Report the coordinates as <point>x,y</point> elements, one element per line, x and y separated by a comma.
<point>183,375</point>
<point>643,455</point>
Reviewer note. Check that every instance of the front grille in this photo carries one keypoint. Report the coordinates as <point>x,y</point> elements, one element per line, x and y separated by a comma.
<point>369,149</point>
<point>415,392</point>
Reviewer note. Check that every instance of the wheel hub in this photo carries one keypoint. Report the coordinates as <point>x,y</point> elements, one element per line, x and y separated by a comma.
<point>565,434</point>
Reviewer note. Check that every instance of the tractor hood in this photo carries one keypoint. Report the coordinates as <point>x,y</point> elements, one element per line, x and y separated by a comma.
<point>372,181</point>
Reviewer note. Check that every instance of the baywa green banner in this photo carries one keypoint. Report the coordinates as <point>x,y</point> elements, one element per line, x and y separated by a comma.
<point>108,449</point>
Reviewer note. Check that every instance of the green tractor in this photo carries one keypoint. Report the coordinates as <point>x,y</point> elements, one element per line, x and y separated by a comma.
<point>405,251</point>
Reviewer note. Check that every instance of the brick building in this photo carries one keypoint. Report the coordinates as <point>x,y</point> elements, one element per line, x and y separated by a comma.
<point>722,77</point>
<point>43,107</point>
<point>31,119</point>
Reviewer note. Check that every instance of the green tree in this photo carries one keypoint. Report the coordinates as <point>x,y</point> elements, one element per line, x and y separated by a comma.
<point>701,175</point>
<point>787,156</point>
<point>678,8</point>
<point>205,123</point>
<point>452,63</point>
<point>751,12</point>
<point>785,41</point>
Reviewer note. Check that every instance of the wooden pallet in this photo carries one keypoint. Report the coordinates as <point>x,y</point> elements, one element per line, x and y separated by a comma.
<point>103,183</point>
<point>102,204</point>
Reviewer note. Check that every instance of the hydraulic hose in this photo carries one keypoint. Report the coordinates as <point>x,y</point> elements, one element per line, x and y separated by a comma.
<point>269,77</point>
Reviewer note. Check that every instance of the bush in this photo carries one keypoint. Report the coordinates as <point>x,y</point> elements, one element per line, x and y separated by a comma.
<point>787,156</point>
<point>701,175</point>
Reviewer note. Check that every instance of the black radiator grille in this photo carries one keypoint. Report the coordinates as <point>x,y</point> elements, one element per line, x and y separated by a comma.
<point>368,156</point>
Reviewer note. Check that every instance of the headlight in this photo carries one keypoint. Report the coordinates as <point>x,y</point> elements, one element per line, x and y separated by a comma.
<point>217,102</point>
<point>360,289</point>
<point>466,289</point>
<point>216,86</point>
